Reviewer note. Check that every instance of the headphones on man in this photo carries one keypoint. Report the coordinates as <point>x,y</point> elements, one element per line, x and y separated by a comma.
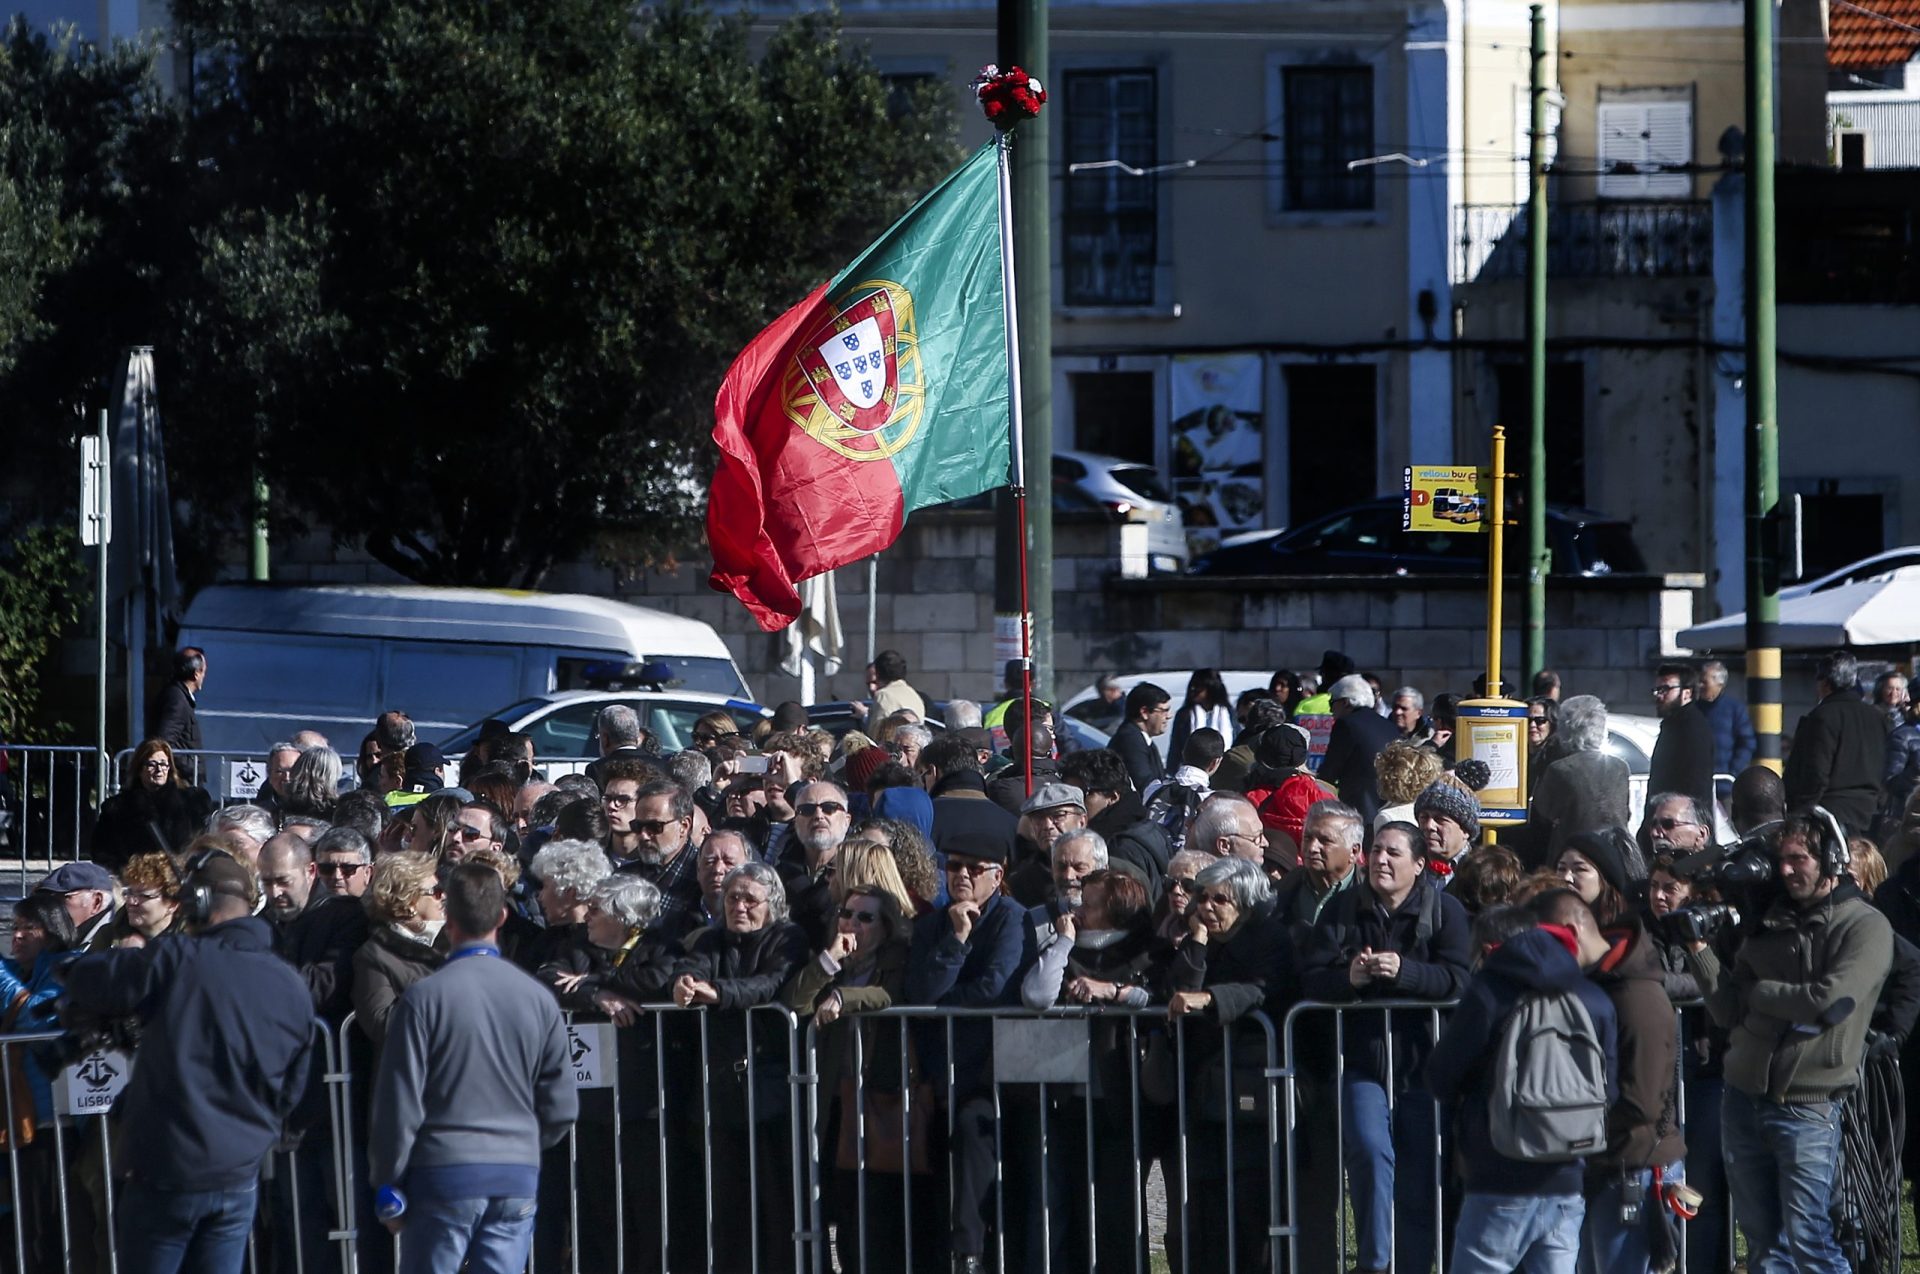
<point>1835,855</point>
<point>197,892</point>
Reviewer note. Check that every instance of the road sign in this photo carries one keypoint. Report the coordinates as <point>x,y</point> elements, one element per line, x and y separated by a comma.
<point>1445,498</point>
<point>590,1051</point>
<point>96,504</point>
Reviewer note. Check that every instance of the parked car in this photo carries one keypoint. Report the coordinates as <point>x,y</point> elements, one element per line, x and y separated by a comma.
<point>1135,492</point>
<point>1366,539</point>
<point>562,722</point>
<point>1898,561</point>
<point>839,719</point>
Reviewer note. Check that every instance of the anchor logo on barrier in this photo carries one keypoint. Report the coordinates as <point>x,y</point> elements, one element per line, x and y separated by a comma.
<point>98,1072</point>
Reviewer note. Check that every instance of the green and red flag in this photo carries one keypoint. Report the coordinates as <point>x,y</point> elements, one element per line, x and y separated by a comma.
<point>884,391</point>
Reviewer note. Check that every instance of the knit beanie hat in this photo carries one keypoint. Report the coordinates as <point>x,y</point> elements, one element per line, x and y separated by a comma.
<point>1604,853</point>
<point>1283,748</point>
<point>1449,801</point>
<point>864,764</point>
<point>1263,716</point>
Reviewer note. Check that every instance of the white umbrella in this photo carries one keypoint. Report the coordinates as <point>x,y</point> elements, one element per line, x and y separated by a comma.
<point>1875,612</point>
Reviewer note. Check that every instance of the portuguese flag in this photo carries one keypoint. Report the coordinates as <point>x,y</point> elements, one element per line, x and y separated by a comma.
<point>884,391</point>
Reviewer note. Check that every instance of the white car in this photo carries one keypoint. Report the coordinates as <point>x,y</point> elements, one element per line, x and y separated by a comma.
<point>562,722</point>
<point>1900,561</point>
<point>1136,492</point>
<point>1631,738</point>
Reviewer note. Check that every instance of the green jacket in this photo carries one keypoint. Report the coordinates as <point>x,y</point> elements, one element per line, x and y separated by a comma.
<point>1783,979</point>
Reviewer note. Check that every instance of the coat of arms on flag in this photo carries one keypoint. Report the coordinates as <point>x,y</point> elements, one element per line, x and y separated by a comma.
<point>856,381</point>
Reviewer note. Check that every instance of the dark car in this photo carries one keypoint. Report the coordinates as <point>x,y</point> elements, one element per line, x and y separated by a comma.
<point>1366,539</point>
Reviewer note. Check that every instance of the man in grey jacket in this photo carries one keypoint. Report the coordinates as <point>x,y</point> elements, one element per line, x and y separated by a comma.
<point>1796,999</point>
<point>473,1084</point>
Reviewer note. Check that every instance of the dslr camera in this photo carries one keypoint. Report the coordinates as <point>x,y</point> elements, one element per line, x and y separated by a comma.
<point>1741,871</point>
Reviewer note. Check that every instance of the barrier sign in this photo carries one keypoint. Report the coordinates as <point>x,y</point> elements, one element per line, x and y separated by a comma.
<point>1445,498</point>
<point>590,1051</point>
<point>91,1085</point>
<point>244,779</point>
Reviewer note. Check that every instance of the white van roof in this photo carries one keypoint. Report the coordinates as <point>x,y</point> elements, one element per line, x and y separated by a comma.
<point>494,615</point>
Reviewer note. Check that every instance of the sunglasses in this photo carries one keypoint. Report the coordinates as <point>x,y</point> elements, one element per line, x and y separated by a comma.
<point>970,869</point>
<point>653,826</point>
<point>1668,824</point>
<point>337,869</point>
<point>864,917</point>
<point>472,833</point>
<point>829,808</point>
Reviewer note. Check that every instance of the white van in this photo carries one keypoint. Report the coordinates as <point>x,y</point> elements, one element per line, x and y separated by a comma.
<point>333,657</point>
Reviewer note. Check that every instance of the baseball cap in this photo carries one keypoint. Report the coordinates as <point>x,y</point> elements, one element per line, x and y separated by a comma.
<point>425,756</point>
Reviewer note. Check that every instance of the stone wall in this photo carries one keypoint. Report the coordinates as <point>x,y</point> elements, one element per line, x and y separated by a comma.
<point>935,606</point>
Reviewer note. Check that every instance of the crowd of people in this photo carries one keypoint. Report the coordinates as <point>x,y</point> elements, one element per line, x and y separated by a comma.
<point>925,864</point>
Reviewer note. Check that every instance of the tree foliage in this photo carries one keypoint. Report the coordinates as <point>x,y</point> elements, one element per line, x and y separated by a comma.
<point>40,596</point>
<point>465,276</point>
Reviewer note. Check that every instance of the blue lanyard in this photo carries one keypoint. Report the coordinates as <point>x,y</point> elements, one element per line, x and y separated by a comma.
<point>480,949</point>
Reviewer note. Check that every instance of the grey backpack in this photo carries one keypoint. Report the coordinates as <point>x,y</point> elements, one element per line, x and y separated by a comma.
<point>1549,1098</point>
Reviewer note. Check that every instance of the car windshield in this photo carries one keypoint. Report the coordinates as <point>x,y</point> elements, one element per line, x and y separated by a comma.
<point>511,713</point>
<point>1142,481</point>
<point>707,675</point>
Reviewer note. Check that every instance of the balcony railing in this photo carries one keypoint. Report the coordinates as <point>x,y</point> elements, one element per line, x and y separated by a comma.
<point>1669,239</point>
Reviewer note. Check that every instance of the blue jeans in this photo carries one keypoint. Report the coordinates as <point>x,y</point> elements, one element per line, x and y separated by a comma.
<point>1502,1233</point>
<point>1708,1248</point>
<point>487,1236</point>
<point>167,1231</point>
<point>1780,1168</point>
<point>1609,1246</point>
<point>1394,1213</point>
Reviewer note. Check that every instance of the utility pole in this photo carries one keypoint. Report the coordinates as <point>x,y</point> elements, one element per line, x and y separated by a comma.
<point>1533,655</point>
<point>1023,43</point>
<point>1762,397</point>
<point>257,568</point>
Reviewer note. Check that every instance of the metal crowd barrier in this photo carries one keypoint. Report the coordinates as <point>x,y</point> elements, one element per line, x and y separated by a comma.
<point>1082,1105</point>
<point>47,806</point>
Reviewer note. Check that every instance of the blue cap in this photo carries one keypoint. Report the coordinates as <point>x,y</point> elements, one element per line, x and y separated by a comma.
<point>74,877</point>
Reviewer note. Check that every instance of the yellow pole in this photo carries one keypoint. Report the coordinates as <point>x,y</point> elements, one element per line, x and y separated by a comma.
<point>1496,559</point>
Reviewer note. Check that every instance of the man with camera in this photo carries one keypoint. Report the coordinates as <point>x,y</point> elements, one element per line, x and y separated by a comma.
<point>226,1037</point>
<point>1796,995</point>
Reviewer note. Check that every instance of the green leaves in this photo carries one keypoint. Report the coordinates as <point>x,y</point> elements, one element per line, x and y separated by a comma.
<point>40,596</point>
<point>460,277</point>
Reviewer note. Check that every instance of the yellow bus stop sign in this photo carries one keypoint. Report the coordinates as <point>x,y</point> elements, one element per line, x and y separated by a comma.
<point>1446,498</point>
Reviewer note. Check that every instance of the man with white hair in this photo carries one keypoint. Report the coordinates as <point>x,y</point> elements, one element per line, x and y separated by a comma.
<point>1359,734</point>
<point>1228,826</point>
<point>248,826</point>
<point>1329,853</point>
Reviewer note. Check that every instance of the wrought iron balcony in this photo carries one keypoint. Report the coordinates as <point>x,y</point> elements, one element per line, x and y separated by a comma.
<point>1608,239</point>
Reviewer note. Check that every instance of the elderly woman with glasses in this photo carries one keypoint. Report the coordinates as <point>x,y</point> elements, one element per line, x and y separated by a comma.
<point>157,811</point>
<point>740,964</point>
<point>151,904</point>
<point>1232,960</point>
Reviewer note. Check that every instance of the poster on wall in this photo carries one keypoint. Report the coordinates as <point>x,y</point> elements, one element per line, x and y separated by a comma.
<point>1218,445</point>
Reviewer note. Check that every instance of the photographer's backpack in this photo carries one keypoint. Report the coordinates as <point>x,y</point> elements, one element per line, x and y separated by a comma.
<point>1549,1098</point>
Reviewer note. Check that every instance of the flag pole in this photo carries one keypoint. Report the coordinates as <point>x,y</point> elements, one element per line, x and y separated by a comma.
<point>1003,144</point>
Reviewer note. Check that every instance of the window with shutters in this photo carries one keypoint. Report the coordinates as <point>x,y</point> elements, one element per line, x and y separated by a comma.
<point>1646,149</point>
<point>1111,220</point>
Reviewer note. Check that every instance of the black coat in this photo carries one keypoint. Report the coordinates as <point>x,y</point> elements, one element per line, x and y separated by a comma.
<point>1136,752</point>
<point>1247,971</point>
<point>961,804</point>
<point>1008,788</point>
<point>172,719</point>
<point>1356,740</point>
<point>1133,842</point>
<point>1432,935</point>
<point>810,901</point>
<point>144,820</point>
<point>319,943</point>
<point>224,1054</point>
<point>1683,758</point>
<point>1839,755</point>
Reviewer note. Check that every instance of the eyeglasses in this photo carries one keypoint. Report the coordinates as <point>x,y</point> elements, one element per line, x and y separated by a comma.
<point>433,891</point>
<point>1662,691</point>
<point>620,802</point>
<point>970,869</point>
<point>864,917</point>
<point>829,808</point>
<point>142,897</point>
<point>335,869</point>
<point>159,763</point>
<point>746,899</point>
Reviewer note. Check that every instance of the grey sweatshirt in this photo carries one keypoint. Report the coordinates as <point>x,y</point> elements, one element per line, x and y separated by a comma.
<point>475,1072</point>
